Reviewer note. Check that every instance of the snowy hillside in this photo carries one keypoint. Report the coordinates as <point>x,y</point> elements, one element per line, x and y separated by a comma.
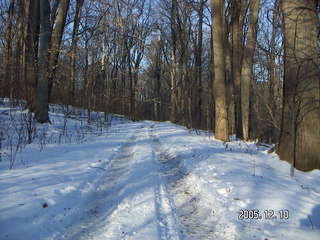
<point>145,180</point>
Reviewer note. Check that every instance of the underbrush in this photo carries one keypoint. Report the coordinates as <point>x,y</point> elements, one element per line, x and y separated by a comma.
<point>18,128</point>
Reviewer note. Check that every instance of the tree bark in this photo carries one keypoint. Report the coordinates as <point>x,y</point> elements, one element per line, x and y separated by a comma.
<point>42,105</point>
<point>74,48</point>
<point>274,78</point>
<point>221,112</point>
<point>236,60</point>
<point>198,66</point>
<point>173,71</point>
<point>56,41</point>
<point>247,65</point>
<point>31,53</point>
<point>230,93</point>
<point>300,123</point>
<point>7,79</point>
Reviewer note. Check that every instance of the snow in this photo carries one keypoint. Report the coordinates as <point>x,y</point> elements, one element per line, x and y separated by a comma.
<point>148,180</point>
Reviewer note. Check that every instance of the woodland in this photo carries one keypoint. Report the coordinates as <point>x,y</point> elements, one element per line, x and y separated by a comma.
<point>248,68</point>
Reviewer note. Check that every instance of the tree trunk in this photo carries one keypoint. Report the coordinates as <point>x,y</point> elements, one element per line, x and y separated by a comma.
<point>236,48</point>
<point>157,62</point>
<point>74,48</point>
<point>131,80</point>
<point>7,79</point>
<point>31,53</point>
<point>230,94</point>
<point>173,96</point>
<point>184,80</point>
<point>198,66</point>
<point>56,41</point>
<point>42,105</point>
<point>274,79</point>
<point>54,9</point>
<point>85,73</point>
<point>221,112</point>
<point>247,64</point>
<point>135,89</point>
<point>300,124</point>
<point>228,76</point>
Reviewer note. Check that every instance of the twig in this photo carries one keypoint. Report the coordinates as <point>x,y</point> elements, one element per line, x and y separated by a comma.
<point>274,148</point>
<point>310,221</point>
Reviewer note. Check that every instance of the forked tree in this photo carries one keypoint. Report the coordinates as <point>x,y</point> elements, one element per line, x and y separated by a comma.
<point>48,55</point>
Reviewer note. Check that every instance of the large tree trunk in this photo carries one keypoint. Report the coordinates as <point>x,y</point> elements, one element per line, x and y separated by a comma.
<point>221,112</point>
<point>7,79</point>
<point>300,127</point>
<point>31,52</point>
<point>274,79</point>
<point>236,60</point>
<point>228,76</point>
<point>42,105</point>
<point>247,64</point>
<point>56,40</point>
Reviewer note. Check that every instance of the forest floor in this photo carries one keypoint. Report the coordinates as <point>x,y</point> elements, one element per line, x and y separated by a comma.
<point>152,180</point>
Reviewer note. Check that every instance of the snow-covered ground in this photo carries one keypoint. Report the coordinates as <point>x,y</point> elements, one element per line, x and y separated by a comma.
<point>148,180</point>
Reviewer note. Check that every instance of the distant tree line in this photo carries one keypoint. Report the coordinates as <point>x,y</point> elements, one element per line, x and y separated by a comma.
<point>248,68</point>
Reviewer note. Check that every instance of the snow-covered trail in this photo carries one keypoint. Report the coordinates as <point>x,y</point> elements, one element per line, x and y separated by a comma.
<point>130,200</point>
<point>159,181</point>
<point>196,214</point>
<point>144,192</point>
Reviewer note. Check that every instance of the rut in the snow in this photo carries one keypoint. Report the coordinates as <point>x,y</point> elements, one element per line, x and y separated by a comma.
<point>103,200</point>
<point>196,216</point>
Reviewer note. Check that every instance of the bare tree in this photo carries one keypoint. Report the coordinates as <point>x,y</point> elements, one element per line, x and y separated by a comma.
<point>31,52</point>
<point>198,66</point>
<point>56,40</point>
<point>7,80</point>
<point>48,60</point>
<point>173,73</point>
<point>237,12</point>
<point>247,64</point>
<point>42,105</point>
<point>221,112</point>
<point>274,85</point>
<point>73,52</point>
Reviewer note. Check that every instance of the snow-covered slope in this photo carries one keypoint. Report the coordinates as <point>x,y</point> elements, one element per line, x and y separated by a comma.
<point>150,180</point>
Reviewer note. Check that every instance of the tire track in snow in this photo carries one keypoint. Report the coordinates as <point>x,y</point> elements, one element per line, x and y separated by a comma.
<point>145,191</point>
<point>130,200</point>
<point>202,218</point>
<point>169,226</point>
<point>169,169</point>
<point>146,212</point>
<point>105,196</point>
